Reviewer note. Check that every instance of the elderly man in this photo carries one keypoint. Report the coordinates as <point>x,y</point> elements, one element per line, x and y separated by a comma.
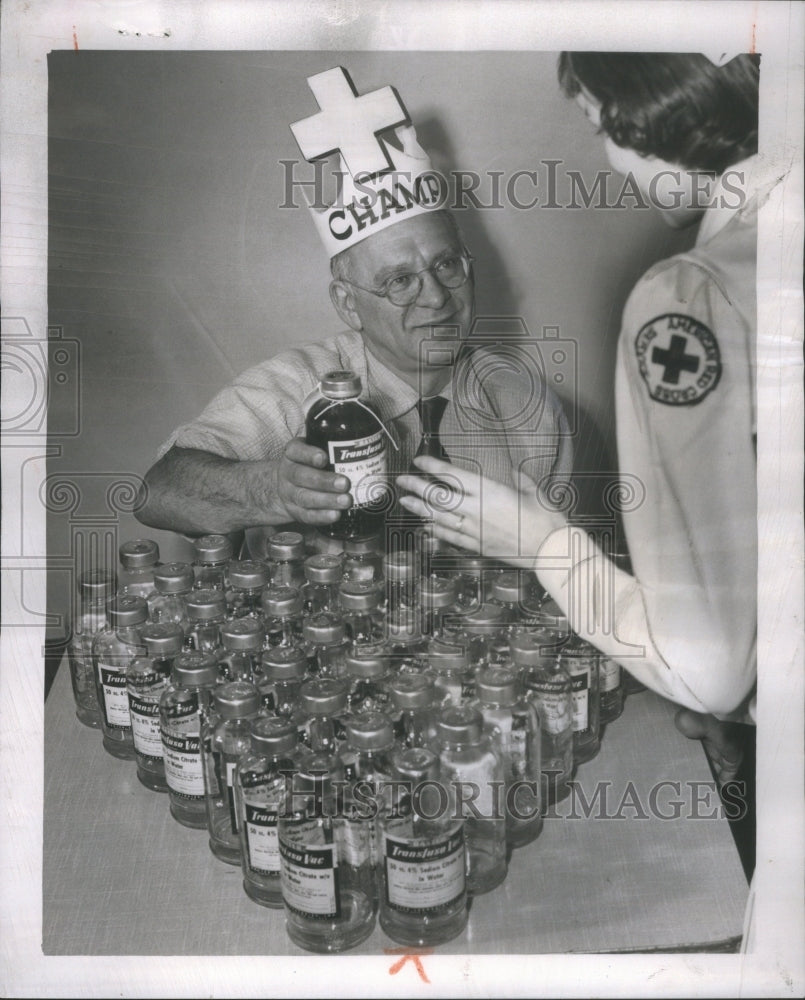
<point>403,285</point>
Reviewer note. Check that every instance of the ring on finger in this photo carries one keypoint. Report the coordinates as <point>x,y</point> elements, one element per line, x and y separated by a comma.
<point>459,522</point>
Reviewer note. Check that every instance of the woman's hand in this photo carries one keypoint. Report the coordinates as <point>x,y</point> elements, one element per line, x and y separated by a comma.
<point>480,514</point>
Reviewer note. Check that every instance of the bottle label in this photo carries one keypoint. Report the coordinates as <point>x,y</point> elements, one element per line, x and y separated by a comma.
<point>424,878</point>
<point>580,682</point>
<point>310,876</point>
<point>552,702</point>
<point>363,462</point>
<point>115,697</point>
<point>261,839</point>
<point>183,765</point>
<point>145,727</point>
<point>610,675</point>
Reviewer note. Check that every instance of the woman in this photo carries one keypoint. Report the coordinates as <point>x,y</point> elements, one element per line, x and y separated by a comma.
<point>685,396</point>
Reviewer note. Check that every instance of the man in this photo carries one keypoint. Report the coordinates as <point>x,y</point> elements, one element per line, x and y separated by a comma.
<point>402,280</point>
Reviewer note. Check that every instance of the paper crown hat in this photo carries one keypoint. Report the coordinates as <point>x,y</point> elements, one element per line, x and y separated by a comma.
<point>382,181</point>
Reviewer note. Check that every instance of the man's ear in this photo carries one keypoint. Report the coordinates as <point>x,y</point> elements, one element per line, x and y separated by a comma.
<point>344,301</point>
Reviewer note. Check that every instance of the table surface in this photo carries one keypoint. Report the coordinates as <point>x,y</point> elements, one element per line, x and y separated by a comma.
<point>122,877</point>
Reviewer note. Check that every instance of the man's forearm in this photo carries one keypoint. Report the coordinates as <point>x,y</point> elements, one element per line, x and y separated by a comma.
<point>197,492</point>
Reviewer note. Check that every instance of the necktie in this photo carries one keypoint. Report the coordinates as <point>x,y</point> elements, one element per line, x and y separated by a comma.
<point>431,410</point>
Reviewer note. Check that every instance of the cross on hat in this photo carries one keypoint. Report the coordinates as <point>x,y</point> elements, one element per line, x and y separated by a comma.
<point>348,123</point>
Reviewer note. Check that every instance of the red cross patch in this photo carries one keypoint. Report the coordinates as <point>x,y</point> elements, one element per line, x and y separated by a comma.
<point>678,358</point>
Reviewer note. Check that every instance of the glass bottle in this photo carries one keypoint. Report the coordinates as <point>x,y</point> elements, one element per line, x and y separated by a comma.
<point>468,761</point>
<point>327,645</point>
<point>323,574</point>
<point>206,613</point>
<point>359,601</point>
<point>113,649</point>
<point>242,640</point>
<point>422,855</point>
<point>467,571</point>
<point>368,671</point>
<point>405,643</point>
<point>95,588</point>
<point>547,684</point>
<point>282,671</point>
<point>611,688</point>
<point>510,589</point>
<point>328,907</point>
<point>185,701</point>
<point>247,581</point>
<point>323,701</point>
<point>362,559</point>
<point>580,659</point>
<point>213,553</point>
<point>167,602</point>
<point>138,560</point>
<point>513,724</point>
<point>262,780</point>
<point>282,616</point>
<point>479,630</point>
<point>225,735</point>
<point>354,439</point>
<point>437,598</point>
<point>453,679</point>
<point>412,698</point>
<point>285,559</point>
<point>147,677</point>
<point>400,573</point>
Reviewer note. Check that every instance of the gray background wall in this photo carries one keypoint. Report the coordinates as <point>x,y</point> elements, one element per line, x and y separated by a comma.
<point>173,268</point>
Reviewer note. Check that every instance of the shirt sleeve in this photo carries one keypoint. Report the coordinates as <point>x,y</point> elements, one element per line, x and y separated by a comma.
<point>685,623</point>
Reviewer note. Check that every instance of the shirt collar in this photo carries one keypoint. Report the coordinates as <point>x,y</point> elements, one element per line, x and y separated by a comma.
<point>736,191</point>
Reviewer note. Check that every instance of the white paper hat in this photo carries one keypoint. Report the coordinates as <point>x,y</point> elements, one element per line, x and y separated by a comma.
<point>383,182</point>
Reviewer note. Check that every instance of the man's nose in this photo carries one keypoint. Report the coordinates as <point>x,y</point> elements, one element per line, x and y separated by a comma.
<point>433,294</point>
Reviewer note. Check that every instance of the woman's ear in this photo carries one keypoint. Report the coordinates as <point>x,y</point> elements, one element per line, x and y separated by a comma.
<point>343,299</point>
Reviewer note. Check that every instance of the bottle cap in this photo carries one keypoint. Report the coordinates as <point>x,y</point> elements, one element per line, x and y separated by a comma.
<point>316,773</point>
<point>204,605</point>
<point>284,663</point>
<point>459,724</point>
<point>323,696</point>
<point>496,684</point>
<point>510,587</point>
<point>279,602</point>
<point>127,610</point>
<point>484,620</point>
<point>323,568</point>
<point>370,731</point>
<point>247,574</point>
<point>341,385</point>
<point>436,592</point>
<point>242,634</point>
<point>411,691</point>
<point>97,584</point>
<point>236,699</point>
<point>360,595</point>
<point>363,545</point>
<point>144,668</point>
<point>273,735</point>
<point>213,548</point>
<point>138,553</point>
<point>531,648</point>
<point>399,566</point>
<point>362,662</point>
<point>323,629</point>
<point>173,578</point>
<point>162,639</point>
<point>194,669</point>
<point>416,764</point>
<point>446,656</point>
<point>286,545</point>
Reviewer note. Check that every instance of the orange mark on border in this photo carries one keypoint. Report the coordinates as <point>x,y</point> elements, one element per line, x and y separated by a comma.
<point>406,954</point>
<point>75,40</point>
<point>754,43</point>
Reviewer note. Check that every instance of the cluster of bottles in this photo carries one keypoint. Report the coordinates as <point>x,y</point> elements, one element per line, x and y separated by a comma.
<point>366,735</point>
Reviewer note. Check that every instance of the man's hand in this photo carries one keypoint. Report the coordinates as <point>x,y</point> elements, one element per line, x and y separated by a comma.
<point>721,741</point>
<point>308,493</point>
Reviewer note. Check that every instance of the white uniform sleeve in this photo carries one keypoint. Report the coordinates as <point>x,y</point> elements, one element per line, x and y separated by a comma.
<point>685,624</point>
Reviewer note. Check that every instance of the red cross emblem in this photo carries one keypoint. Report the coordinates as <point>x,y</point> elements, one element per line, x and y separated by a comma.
<point>678,358</point>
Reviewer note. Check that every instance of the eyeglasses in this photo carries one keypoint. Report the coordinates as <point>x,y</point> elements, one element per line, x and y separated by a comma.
<point>404,289</point>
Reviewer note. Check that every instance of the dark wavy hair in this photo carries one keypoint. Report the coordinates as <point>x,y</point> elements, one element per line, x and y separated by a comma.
<point>679,107</point>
